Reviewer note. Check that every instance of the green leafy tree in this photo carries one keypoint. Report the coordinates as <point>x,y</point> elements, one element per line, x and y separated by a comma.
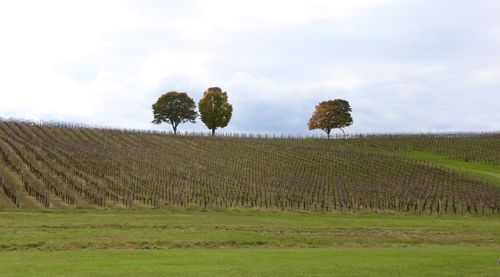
<point>215,111</point>
<point>332,114</point>
<point>174,108</point>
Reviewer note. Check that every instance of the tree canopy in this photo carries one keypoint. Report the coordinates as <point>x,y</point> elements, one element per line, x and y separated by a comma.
<point>332,114</point>
<point>174,108</point>
<point>214,108</point>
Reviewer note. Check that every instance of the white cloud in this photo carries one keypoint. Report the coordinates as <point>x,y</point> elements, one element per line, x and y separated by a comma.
<point>485,77</point>
<point>403,66</point>
<point>163,64</point>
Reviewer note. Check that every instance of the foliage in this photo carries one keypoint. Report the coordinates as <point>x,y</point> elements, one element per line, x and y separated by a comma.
<point>215,110</point>
<point>174,108</point>
<point>330,115</point>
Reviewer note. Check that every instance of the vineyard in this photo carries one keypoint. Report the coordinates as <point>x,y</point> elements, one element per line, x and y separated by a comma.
<point>479,147</point>
<point>55,165</point>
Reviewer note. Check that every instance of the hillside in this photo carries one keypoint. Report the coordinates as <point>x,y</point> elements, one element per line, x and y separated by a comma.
<point>49,165</point>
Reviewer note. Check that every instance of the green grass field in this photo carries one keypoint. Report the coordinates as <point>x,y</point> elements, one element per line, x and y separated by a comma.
<point>165,229</point>
<point>444,261</point>
<point>61,242</point>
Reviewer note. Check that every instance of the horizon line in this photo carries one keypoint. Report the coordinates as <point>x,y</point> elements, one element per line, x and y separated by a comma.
<point>221,133</point>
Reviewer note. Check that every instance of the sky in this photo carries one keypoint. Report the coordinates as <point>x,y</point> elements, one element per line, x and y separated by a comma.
<point>403,65</point>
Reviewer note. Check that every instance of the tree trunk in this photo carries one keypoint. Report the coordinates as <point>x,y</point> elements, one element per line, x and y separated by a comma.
<point>343,133</point>
<point>175,129</point>
<point>328,134</point>
<point>213,132</point>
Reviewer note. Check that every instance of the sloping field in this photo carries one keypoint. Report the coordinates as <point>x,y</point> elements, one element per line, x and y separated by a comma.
<point>485,171</point>
<point>467,147</point>
<point>44,165</point>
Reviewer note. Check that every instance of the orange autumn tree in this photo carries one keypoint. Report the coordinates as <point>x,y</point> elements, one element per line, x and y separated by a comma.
<point>332,114</point>
<point>215,111</point>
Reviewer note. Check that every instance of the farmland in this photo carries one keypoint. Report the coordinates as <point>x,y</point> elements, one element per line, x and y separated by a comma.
<point>75,200</point>
<point>50,165</point>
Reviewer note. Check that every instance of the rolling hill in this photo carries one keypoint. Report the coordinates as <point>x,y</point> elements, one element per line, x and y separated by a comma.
<point>62,165</point>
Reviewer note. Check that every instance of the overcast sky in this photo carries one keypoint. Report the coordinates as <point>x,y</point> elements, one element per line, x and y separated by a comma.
<point>405,66</point>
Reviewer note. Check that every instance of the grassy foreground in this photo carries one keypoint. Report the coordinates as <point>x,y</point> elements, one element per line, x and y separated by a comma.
<point>67,229</point>
<point>244,243</point>
<point>447,261</point>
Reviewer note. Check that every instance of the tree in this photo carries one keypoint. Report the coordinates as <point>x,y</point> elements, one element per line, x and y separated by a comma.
<point>330,115</point>
<point>174,108</point>
<point>215,111</point>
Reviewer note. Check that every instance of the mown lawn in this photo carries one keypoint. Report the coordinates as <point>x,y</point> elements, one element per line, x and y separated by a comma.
<point>70,229</point>
<point>442,261</point>
<point>92,242</point>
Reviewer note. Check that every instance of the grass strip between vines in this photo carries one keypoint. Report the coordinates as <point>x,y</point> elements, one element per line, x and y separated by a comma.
<point>486,172</point>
